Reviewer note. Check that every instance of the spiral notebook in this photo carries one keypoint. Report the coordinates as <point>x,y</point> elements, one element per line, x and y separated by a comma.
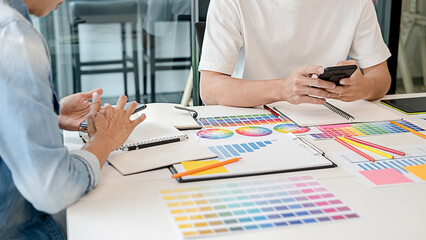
<point>160,152</point>
<point>307,115</point>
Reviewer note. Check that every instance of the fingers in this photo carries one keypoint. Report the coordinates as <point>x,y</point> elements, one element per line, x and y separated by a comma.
<point>318,83</point>
<point>121,102</point>
<point>91,126</point>
<point>96,103</point>
<point>88,95</point>
<point>131,108</point>
<point>138,120</point>
<point>308,70</point>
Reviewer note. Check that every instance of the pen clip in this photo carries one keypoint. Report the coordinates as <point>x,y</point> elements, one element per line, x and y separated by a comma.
<point>307,145</point>
<point>193,113</point>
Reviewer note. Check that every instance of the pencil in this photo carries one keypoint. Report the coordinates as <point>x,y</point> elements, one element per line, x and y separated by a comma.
<point>354,149</point>
<point>376,146</point>
<point>197,170</point>
<point>387,155</point>
<point>409,129</point>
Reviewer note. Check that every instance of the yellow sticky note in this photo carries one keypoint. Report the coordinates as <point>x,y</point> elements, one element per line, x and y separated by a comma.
<point>197,164</point>
<point>418,170</point>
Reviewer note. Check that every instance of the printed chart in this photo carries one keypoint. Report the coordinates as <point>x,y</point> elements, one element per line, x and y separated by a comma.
<point>246,206</point>
<point>235,150</point>
<point>239,120</point>
<point>362,129</point>
<point>408,169</point>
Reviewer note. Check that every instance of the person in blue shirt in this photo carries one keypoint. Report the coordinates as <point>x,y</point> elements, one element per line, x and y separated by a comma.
<point>38,175</point>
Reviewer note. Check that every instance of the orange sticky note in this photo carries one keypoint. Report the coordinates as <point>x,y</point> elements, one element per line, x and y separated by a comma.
<point>197,164</point>
<point>418,170</point>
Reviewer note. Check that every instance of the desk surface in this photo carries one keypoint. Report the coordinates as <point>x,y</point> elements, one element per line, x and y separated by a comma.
<point>130,208</point>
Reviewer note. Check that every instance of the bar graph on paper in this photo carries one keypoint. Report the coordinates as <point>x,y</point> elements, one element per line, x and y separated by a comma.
<point>384,172</point>
<point>239,149</point>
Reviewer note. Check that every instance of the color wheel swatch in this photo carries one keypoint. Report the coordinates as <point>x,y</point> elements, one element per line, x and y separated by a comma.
<point>253,131</point>
<point>290,127</point>
<point>363,129</point>
<point>245,206</point>
<point>215,133</point>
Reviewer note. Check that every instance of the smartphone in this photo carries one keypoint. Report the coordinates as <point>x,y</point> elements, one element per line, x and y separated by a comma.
<point>336,73</point>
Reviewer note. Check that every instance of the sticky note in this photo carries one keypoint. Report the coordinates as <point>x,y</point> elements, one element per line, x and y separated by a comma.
<point>197,164</point>
<point>385,176</point>
<point>418,170</point>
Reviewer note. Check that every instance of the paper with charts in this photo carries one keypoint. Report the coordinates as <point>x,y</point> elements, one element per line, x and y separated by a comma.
<point>407,169</point>
<point>262,155</point>
<point>251,205</point>
<point>263,123</point>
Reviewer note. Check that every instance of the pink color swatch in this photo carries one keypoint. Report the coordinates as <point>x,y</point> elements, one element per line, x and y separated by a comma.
<point>385,176</point>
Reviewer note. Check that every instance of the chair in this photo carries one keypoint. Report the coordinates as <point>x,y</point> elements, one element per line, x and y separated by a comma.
<point>105,12</point>
<point>200,28</point>
<point>150,62</point>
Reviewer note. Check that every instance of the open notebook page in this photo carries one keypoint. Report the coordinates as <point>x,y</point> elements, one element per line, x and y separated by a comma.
<point>180,119</point>
<point>306,114</point>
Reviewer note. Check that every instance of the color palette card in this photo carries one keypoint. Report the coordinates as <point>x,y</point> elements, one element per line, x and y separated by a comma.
<point>248,125</point>
<point>246,206</point>
<point>386,172</point>
<point>362,129</point>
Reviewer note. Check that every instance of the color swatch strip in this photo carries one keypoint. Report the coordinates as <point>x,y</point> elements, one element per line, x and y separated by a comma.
<point>239,120</point>
<point>251,205</point>
<point>363,129</point>
<point>236,150</point>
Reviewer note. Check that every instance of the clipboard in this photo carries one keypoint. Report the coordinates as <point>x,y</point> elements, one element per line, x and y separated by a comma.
<point>286,153</point>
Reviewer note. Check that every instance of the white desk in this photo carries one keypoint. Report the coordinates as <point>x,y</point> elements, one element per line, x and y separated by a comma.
<point>129,207</point>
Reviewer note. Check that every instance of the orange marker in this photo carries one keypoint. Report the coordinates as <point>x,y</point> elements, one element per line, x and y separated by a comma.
<point>204,168</point>
<point>409,129</point>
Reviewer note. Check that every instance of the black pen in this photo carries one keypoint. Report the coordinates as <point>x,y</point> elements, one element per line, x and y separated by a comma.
<point>154,143</point>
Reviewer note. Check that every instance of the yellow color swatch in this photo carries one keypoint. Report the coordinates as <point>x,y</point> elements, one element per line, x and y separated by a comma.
<point>181,218</point>
<point>174,204</point>
<point>418,170</point>
<point>197,164</point>
<point>166,191</point>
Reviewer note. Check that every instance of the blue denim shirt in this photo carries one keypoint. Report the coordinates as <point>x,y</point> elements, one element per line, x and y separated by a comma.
<point>38,175</point>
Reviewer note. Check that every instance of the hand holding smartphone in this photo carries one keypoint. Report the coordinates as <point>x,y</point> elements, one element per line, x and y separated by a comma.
<point>336,73</point>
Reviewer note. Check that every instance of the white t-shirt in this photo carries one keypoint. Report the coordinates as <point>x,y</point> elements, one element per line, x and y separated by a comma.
<point>269,39</point>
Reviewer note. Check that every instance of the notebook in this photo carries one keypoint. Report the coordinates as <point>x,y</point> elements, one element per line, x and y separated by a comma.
<point>415,105</point>
<point>156,156</point>
<point>180,119</point>
<point>282,153</point>
<point>306,114</point>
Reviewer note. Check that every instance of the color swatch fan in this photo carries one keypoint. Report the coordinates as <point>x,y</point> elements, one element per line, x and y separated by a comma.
<point>247,206</point>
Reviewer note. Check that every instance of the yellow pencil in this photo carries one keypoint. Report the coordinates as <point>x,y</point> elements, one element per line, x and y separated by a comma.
<point>367,148</point>
<point>200,169</point>
<point>409,129</point>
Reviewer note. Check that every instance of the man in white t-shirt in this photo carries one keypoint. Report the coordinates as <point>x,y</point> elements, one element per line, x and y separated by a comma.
<point>262,51</point>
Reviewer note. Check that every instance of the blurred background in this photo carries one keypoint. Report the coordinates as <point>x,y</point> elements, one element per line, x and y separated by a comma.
<point>148,48</point>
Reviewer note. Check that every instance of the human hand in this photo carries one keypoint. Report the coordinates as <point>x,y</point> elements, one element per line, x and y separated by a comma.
<point>111,126</point>
<point>75,109</point>
<point>300,87</point>
<point>354,88</point>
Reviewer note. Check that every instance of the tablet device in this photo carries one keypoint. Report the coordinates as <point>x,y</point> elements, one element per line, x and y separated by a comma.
<point>407,105</point>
